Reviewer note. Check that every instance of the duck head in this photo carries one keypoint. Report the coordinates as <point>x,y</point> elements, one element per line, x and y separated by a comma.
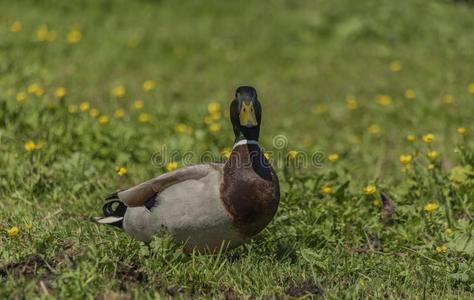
<point>246,114</point>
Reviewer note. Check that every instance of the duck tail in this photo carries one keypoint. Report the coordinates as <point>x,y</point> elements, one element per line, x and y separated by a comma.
<point>113,210</point>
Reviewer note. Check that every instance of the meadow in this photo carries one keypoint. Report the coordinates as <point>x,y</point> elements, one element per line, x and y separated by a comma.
<point>99,95</point>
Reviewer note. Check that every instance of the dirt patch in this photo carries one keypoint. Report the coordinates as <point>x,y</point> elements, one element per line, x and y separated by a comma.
<point>129,274</point>
<point>306,288</point>
<point>29,267</point>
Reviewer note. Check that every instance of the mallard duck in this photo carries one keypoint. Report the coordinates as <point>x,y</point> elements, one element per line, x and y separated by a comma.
<point>206,206</point>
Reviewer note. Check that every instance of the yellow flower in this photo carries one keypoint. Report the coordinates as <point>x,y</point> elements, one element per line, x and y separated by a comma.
<point>411,137</point>
<point>16,26</point>
<point>267,155</point>
<point>138,104</point>
<point>377,202</point>
<point>374,129</point>
<point>148,85</point>
<point>144,118</point>
<point>428,138</point>
<point>119,113</point>
<point>28,226</point>
<point>432,155</point>
<point>74,36</point>
<point>94,112</point>
<point>84,106</point>
<point>370,189</point>
<point>320,108</point>
<point>326,189</point>
<point>30,146</point>
<point>395,66</point>
<point>351,103</point>
<point>441,249</point>
<point>215,127</point>
<point>431,207</point>
<point>43,34</point>
<point>384,100</point>
<point>119,91</point>
<point>461,130</point>
<point>122,171</point>
<point>292,154</point>
<point>171,166</point>
<point>410,94</point>
<point>470,88</point>
<point>13,231</point>
<point>21,97</point>
<point>103,119</point>
<point>183,128</point>
<point>448,99</point>
<point>405,159</point>
<point>60,92</point>
<point>226,152</point>
<point>333,157</point>
<point>34,88</point>
<point>214,107</point>
<point>72,108</point>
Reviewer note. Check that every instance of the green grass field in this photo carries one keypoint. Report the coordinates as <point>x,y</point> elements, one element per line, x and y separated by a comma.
<point>96,95</point>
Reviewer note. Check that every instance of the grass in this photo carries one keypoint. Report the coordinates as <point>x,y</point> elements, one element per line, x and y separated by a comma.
<point>333,79</point>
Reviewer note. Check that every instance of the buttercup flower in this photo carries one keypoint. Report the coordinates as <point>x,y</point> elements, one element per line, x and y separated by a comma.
<point>441,249</point>
<point>119,91</point>
<point>431,207</point>
<point>428,138</point>
<point>122,171</point>
<point>226,152</point>
<point>432,155</point>
<point>470,88</point>
<point>84,106</point>
<point>370,189</point>
<point>333,157</point>
<point>103,119</point>
<point>144,118</point>
<point>410,94</point>
<point>74,36</point>
<point>119,113</point>
<point>448,99</point>
<point>326,189</point>
<point>395,66</point>
<point>60,92</point>
<point>138,104</point>
<point>183,128</point>
<point>384,100</point>
<point>94,112</point>
<point>292,154</point>
<point>72,108</point>
<point>13,231</point>
<point>411,137</point>
<point>148,85</point>
<point>351,103</point>
<point>43,34</point>
<point>16,26</point>
<point>30,146</point>
<point>374,129</point>
<point>214,108</point>
<point>21,97</point>
<point>215,127</point>
<point>405,159</point>
<point>461,130</point>
<point>171,166</point>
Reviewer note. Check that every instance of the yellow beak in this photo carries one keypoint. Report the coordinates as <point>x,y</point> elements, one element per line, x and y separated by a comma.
<point>247,115</point>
